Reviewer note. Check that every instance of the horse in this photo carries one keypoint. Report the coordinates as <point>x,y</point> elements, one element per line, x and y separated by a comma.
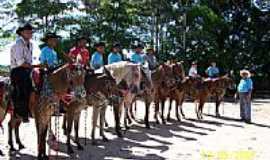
<point>164,81</point>
<point>42,105</point>
<point>5,90</point>
<point>102,90</point>
<point>200,90</point>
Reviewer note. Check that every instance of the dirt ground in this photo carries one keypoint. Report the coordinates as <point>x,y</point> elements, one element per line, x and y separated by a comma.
<point>212,138</point>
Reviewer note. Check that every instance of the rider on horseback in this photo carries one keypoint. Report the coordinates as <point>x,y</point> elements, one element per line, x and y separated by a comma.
<point>212,71</point>
<point>21,66</point>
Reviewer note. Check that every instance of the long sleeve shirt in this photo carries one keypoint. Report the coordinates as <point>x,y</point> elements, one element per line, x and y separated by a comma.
<point>212,71</point>
<point>96,60</point>
<point>114,57</point>
<point>137,58</point>
<point>49,56</point>
<point>20,53</point>
<point>193,72</point>
<point>245,85</point>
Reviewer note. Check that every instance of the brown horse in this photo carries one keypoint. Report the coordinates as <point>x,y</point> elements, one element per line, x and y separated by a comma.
<point>101,91</point>
<point>200,90</point>
<point>5,89</point>
<point>42,108</point>
<point>164,81</point>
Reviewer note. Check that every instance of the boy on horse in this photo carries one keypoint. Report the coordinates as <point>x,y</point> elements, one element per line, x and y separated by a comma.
<point>151,58</point>
<point>21,66</point>
<point>212,71</point>
<point>81,50</point>
<point>137,56</point>
<point>193,72</point>
<point>97,58</point>
<point>115,56</point>
<point>48,54</point>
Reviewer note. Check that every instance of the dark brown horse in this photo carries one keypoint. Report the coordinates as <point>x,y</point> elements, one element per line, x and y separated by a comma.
<point>164,81</point>
<point>200,90</point>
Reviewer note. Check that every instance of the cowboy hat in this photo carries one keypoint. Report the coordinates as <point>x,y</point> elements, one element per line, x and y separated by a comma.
<point>26,26</point>
<point>81,38</point>
<point>49,35</point>
<point>116,45</point>
<point>244,72</point>
<point>149,48</point>
<point>139,46</point>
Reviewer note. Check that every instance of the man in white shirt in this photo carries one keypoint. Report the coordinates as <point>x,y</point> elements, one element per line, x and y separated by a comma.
<point>193,70</point>
<point>21,64</point>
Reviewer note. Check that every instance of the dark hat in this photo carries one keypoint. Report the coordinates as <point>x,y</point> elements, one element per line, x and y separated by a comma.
<point>116,45</point>
<point>150,48</point>
<point>81,38</point>
<point>49,35</point>
<point>26,26</point>
<point>100,44</point>
<point>139,46</point>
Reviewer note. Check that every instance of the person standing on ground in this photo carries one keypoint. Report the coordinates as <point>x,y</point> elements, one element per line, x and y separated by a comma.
<point>244,89</point>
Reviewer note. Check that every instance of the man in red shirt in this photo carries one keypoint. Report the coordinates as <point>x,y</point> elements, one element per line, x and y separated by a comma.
<point>80,49</point>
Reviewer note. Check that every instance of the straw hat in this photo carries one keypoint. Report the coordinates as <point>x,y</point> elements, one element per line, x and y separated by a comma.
<point>244,72</point>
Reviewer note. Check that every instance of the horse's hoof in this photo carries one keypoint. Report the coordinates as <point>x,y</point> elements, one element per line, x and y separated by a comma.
<point>217,115</point>
<point>1,153</point>
<point>106,124</point>
<point>105,139</point>
<point>21,146</point>
<point>79,147</point>
<point>168,119</point>
<point>70,150</point>
<point>157,122</point>
<point>163,121</point>
<point>12,149</point>
<point>119,134</point>
<point>94,143</point>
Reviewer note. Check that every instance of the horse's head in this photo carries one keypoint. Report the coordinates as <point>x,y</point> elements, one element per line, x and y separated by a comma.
<point>178,70</point>
<point>60,79</point>
<point>167,76</point>
<point>227,82</point>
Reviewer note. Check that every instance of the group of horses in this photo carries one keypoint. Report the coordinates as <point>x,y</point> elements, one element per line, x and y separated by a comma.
<point>120,85</point>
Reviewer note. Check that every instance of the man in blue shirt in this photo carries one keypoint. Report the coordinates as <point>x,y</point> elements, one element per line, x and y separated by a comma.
<point>137,57</point>
<point>48,55</point>
<point>212,71</point>
<point>245,88</point>
<point>97,58</point>
<point>115,56</point>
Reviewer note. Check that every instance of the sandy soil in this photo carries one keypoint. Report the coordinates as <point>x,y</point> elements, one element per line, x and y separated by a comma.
<point>224,138</point>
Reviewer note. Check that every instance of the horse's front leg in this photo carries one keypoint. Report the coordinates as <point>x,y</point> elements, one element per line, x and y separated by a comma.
<point>169,111</point>
<point>177,111</point>
<point>10,139</point>
<point>116,112</point>
<point>17,134</point>
<point>162,111</point>
<point>102,120</point>
<point>69,119</point>
<point>156,115</point>
<point>218,102</point>
<point>42,143</point>
<point>95,116</point>
<point>146,117</point>
<point>64,125</point>
<point>76,128</point>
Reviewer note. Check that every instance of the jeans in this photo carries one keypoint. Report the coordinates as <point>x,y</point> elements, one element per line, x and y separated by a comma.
<point>245,106</point>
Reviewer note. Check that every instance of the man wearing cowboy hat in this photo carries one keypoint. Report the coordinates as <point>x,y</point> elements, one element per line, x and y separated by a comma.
<point>97,58</point>
<point>151,58</point>
<point>137,56</point>
<point>48,55</point>
<point>21,64</point>
<point>244,89</point>
<point>115,56</point>
<point>80,50</point>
